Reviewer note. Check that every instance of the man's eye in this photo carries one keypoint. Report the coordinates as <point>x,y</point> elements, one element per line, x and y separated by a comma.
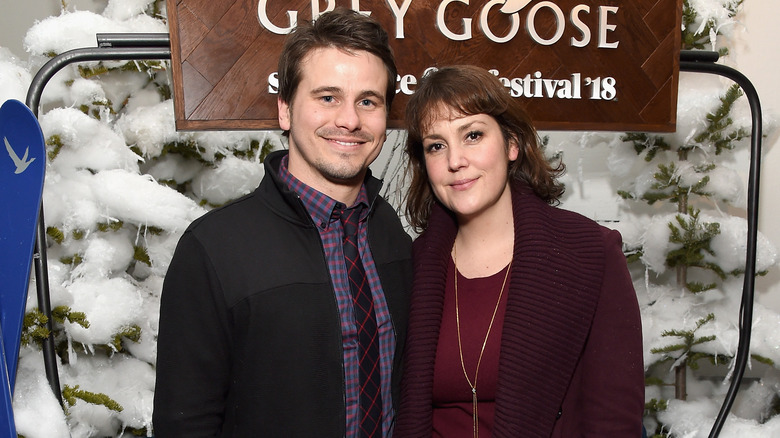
<point>367,102</point>
<point>327,99</point>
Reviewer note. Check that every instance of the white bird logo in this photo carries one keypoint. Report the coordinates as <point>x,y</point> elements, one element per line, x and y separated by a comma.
<point>21,164</point>
<point>512,6</point>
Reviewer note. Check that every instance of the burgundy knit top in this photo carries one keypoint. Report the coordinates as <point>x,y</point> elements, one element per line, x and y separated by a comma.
<point>452,397</point>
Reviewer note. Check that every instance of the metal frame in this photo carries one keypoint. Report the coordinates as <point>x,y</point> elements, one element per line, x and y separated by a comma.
<point>134,46</point>
<point>111,47</point>
<point>704,62</point>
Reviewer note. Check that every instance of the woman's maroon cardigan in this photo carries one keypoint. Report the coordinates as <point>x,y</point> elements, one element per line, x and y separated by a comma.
<point>571,347</point>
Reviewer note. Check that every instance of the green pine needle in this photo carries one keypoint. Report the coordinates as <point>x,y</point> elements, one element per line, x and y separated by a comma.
<point>71,394</point>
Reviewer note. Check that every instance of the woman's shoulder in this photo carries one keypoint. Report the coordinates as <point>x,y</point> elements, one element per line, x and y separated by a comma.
<point>599,227</point>
<point>578,223</point>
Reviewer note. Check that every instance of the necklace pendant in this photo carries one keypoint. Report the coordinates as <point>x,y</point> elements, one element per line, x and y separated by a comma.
<point>474,399</point>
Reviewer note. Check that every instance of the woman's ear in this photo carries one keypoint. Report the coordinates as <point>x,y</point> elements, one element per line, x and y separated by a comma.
<point>513,149</point>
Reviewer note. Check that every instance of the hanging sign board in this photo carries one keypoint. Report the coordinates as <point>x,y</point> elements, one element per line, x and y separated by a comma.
<point>577,65</point>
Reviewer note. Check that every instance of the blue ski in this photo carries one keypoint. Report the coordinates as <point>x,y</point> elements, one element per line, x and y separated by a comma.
<point>22,165</point>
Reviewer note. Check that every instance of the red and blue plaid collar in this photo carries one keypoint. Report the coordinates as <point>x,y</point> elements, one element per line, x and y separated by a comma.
<point>323,209</point>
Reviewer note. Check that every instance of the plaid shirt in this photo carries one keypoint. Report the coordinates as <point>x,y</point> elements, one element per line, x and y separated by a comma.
<point>325,215</point>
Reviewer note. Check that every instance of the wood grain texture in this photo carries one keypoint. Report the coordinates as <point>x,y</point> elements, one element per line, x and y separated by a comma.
<point>222,58</point>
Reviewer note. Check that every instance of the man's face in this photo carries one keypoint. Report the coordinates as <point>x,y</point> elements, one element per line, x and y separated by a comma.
<point>337,118</point>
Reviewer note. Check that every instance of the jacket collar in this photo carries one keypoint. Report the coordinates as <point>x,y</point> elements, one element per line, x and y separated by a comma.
<point>273,184</point>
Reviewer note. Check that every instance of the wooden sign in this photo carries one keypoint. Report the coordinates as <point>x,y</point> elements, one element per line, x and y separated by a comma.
<point>577,65</point>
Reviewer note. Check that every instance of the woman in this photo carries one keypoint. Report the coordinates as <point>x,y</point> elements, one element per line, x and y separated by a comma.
<point>524,320</point>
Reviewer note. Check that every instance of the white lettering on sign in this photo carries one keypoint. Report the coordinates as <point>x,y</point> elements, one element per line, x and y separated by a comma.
<point>536,86</point>
<point>463,30</point>
<point>579,25</point>
<point>262,14</point>
<point>604,26</point>
<point>405,83</point>
<point>463,36</point>
<point>483,23</point>
<point>273,83</point>
<point>292,16</point>
<point>530,23</point>
<point>531,86</point>
<point>399,14</point>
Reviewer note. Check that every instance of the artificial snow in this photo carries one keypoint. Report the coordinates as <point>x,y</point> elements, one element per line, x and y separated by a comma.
<point>105,254</point>
<point>141,200</point>
<point>74,30</point>
<point>149,127</point>
<point>693,419</point>
<point>234,177</point>
<point>37,412</point>
<point>14,77</point>
<point>111,305</point>
<point>123,10</point>
<point>90,144</point>
<point>130,383</point>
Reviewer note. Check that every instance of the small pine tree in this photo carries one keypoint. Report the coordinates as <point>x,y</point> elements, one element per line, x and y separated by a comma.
<point>683,180</point>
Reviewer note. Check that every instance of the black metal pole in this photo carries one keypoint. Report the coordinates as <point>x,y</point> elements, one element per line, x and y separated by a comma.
<point>134,40</point>
<point>109,53</point>
<point>704,62</point>
<point>112,47</point>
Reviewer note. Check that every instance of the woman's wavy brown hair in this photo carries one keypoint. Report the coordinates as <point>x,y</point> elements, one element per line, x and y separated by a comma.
<point>470,90</point>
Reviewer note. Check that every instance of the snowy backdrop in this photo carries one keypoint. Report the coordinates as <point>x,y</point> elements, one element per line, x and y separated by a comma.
<point>122,184</point>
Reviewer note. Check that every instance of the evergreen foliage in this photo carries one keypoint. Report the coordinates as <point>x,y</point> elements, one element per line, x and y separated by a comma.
<point>720,132</point>
<point>648,144</point>
<point>682,182</point>
<point>694,239</point>
<point>685,349</point>
<point>702,39</point>
<point>34,328</point>
<point>132,333</point>
<point>71,395</point>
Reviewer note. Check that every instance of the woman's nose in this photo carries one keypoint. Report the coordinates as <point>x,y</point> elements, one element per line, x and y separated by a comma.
<point>455,158</point>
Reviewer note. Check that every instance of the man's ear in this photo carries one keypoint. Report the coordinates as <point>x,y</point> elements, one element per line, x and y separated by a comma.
<point>284,114</point>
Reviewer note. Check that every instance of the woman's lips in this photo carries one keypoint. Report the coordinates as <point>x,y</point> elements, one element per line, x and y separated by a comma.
<point>463,184</point>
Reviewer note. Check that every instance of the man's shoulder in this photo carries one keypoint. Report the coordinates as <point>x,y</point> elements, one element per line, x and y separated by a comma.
<point>255,210</point>
<point>226,215</point>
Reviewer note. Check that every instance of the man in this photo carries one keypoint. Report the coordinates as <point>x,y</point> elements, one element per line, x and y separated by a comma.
<point>258,334</point>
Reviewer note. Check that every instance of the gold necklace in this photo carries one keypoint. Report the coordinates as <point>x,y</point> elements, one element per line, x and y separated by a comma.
<point>473,386</point>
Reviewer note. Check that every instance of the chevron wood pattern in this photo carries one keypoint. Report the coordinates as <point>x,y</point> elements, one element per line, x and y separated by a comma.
<point>222,58</point>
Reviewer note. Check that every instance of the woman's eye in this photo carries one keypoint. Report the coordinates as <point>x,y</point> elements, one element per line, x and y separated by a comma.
<point>474,135</point>
<point>433,147</point>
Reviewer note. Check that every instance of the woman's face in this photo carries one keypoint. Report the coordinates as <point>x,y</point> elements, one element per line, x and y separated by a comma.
<point>467,160</point>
